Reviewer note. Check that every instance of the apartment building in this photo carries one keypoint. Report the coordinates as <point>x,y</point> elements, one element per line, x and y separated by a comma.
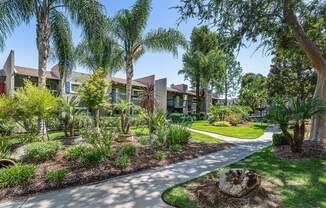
<point>176,98</point>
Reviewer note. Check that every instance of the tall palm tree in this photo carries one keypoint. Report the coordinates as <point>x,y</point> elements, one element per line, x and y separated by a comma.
<point>129,26</point>
<point>51,22</point>
<point>191,71</point>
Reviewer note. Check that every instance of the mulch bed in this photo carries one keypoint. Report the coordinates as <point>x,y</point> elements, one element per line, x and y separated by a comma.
<point>311,149</point>
<point>206,193</point>
<point>78,174</point>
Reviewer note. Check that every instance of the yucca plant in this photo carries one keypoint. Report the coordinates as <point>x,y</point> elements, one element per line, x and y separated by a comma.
<point>297,111</point>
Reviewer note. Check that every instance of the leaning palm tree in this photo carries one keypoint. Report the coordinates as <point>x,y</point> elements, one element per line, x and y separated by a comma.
<point>51,22</point>
<point>129,26</point>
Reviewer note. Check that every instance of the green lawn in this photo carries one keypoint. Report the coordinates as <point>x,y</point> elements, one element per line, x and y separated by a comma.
<point>302,183</point>
<point>204,138</point>
<point>53,135</point>
<point>252,131</point>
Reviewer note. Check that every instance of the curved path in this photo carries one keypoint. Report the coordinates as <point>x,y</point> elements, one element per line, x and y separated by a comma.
<point>144,189</point>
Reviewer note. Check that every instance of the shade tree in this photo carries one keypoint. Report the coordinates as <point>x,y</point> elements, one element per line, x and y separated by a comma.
<point>265,21</point>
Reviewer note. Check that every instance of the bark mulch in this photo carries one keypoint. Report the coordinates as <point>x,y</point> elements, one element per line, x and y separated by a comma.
<point>78,174</point>
<point>206,193</point>
<point>310,149</point>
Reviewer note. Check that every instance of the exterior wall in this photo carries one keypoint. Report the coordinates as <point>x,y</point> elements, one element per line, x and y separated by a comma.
<point>160,94</point>
<point>9,68</point>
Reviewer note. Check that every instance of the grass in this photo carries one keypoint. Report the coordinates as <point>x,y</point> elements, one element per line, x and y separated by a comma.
<point>139,131</point>
<point>54,135</point>
<point>204,138</point>
<point>302,183</point>
<point>251,131</point>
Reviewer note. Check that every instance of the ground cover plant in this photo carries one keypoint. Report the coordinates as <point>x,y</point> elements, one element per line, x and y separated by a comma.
<point>251,131</point>
<point>299,182</point>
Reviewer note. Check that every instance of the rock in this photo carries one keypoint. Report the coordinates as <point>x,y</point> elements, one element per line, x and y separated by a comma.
<point>71,140</point>
<point>6,163</point>
<point>238,182</point>
<point>19,154</point>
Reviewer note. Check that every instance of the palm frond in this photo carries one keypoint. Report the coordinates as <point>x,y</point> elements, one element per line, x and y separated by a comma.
<point>62,42</point>
<point>140,13</point>
<point>165,40</point>
<point>12,13</point>
<point>89,14</point>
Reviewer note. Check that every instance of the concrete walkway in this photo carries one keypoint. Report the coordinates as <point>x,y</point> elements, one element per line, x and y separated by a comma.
<point>143,189</point>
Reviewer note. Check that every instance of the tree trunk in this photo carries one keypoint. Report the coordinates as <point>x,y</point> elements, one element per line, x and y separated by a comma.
<point>318,127</point>
<point>198,96</point>
<point>318,123</point>
<point>226,93</point>
<point>43,31</point>
<point>97,120</point>
<point>206,97</point>
<point>129,76</point>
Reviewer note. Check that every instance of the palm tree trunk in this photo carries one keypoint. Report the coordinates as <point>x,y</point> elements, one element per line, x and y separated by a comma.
<point>129,76</point>
<point>318,127</point>
<point>43,32</point>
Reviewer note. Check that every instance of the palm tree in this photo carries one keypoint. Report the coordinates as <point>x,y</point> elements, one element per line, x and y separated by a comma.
<point>69,113</point>
<point>191,71</point>
<point>129,26</point>
<point>297,111</point>
<point>51,22</point>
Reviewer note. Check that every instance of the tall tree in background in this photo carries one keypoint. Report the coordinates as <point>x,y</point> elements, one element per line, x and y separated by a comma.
<point>129,26</point>
<point>51,22</point>
<point>229,82</point>
<point>253,91</point>
<point>267,20</point>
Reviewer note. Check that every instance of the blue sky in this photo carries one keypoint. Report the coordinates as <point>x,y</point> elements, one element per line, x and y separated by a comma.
<point>160,64</point>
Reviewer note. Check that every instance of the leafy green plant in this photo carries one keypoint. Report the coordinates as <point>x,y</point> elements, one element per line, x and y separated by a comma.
<point>159,155</point>
<point>7,126</point>
<point>42,151</point>
<point>180,118</point>
<point>92,157</point>
<point>4,149</point>
<point>233,118</point>
<point>177,134</point>
<point>16,175</point>
<point>129,150</point>
<point>297,111</point>
<point>122,161</point>
<point>175,148</point>
<point>75,152</point>
<point>280,139</point>
<point>101,140</point>
<point>144,140</point>
<point>124,107</point>
<point>56,176</point>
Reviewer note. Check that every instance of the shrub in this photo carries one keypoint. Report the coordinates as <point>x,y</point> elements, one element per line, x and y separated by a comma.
<point>4,149</point>
<point>279,139</point>
<point>42,151</point>
<point>179,117</point>
<point>175,148</point>
<point>16,175</point>
<point>129,150</point>
<point>159,155</point>
<point>144,140</point>
<point>233,118</point>
<point>177,134</point>
<point>56,176</point>
<point>6,127</point>
<point>122,161</point>
<point>222,123</point>
<point>100,140</point>
<point>92,157</point>
<point>75,152</point>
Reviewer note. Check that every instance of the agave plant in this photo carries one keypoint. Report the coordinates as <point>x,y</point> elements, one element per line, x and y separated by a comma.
<point>297,111</point>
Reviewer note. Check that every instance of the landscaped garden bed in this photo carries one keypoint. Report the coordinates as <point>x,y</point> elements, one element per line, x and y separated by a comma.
<point>132,155</point>
<point>285,183</point>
